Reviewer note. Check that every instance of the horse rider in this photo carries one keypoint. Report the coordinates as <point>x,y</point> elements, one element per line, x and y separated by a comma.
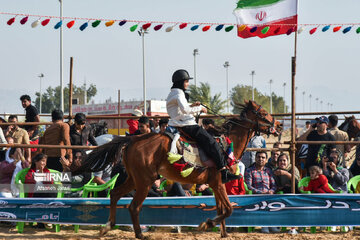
<point>182,116</point>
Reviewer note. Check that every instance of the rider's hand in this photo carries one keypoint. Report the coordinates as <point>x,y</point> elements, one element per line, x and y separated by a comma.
<point>195,104</point>
<point>203,110</point>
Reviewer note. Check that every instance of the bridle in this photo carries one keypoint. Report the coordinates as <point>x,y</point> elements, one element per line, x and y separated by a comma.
<point>255,125</point>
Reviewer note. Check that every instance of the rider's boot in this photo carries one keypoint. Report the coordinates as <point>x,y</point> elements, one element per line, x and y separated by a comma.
<point>227,176</point>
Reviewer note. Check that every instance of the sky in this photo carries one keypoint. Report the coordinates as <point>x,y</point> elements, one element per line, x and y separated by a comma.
<point>111,57</point>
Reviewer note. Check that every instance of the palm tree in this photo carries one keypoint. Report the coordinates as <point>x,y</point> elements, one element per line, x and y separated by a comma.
<point>203,95</point>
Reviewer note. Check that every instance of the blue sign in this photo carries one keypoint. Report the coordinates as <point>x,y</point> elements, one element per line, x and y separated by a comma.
<point>249,210</point>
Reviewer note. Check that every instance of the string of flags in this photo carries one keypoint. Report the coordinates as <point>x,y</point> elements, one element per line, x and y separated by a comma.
<point>84,23</point>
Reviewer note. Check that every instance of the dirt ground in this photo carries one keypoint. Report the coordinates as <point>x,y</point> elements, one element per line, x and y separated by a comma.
<point>91,232</point>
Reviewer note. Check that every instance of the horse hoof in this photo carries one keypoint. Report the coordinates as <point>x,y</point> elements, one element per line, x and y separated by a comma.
<point>203,226</point>
<point>139,236</point>
<point>224,235</point>
<point>103,231</point>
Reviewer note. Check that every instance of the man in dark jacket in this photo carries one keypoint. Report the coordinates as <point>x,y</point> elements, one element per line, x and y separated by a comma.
<point>80,132</point>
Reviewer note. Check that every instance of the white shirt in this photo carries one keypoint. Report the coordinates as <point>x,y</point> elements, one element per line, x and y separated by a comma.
<point>179,110</point>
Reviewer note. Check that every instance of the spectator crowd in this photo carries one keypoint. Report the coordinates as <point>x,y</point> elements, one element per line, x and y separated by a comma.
<point>324,164</point>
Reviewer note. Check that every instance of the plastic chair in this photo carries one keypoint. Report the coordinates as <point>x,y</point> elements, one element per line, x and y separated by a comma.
<point>98,188</point>
<point>352,184</point>
<point>19,181</point>
<point>76,227</point>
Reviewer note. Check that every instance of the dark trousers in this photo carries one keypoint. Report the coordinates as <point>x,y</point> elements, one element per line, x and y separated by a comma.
<point>207,143</point>
<point>176,190</point>
<point>54,163</point>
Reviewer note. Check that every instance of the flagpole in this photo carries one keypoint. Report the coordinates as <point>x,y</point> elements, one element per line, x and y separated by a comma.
<point>293,120</point>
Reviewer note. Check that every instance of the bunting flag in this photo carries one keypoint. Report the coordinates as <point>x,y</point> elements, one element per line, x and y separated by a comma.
<point>259,15</point>
<point>262,23</point>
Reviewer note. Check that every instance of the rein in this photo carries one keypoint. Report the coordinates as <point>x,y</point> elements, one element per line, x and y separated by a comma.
<point>243,117</point>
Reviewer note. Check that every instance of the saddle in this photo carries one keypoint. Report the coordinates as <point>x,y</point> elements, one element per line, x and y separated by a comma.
<point>185,155</point>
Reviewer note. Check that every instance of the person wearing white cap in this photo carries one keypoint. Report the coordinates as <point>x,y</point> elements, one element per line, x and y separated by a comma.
<point>133,123</point>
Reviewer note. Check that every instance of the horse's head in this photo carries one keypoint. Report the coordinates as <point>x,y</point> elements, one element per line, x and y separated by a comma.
<point>255,118</point>
<point>350,126</point>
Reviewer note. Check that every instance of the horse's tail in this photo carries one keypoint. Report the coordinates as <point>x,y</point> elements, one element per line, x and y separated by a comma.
<point>102,156</point>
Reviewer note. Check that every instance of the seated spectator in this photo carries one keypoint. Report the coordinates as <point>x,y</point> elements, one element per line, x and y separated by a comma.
<point>175,189</point>
<point>259,178</point>
<point>204,189</point>
<point>38,165</point>
<point>155,191</point>
<point>14,160</point>
<point>102,177</point>
<point>235,187</point>
<point>133,123</point>
<point>337,175</point>
<point>273,160</point>
<point>318,183</point>
<point>355,166</point>
<point>78,180</point>
<point>163,124</point>
<point>283,174</point>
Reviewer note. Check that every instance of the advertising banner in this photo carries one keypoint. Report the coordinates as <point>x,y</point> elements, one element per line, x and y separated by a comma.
<point>249,210</point>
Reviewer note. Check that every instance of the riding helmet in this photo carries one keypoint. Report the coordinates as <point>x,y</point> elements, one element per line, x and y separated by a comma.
<point>180,75</point>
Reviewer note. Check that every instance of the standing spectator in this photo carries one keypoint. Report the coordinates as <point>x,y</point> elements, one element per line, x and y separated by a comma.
<point>57,134</point>
<point>144,126</point>
<point>306,127</point>
<point>335,173</point>
<point>317,133</point>
<point>31,115</point>
<point>133,123</point>
<point>339,136</point>
<point>248,158</point>
<point>19,135</point>
<point>156,122</point>
<point>80,132</point>
<point>163,124</point>
<point>283,174</point>
<point>2,141</point>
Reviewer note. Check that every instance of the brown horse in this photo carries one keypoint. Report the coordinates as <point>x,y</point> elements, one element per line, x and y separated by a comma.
<point>145,157</point>
<point>351,127</point>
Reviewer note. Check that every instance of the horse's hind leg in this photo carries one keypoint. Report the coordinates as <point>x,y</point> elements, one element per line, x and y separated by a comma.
<point>135,207</point>
<point>115,195</point>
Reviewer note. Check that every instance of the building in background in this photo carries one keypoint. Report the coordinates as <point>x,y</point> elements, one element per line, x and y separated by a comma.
<point>154,107</point>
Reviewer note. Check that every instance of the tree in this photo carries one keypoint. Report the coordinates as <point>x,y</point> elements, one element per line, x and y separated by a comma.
<point>242,92</point>
<point>51,97</point>
<point>203,95</point>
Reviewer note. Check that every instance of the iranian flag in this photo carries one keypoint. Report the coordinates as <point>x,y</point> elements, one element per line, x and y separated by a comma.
<point>265,18</point>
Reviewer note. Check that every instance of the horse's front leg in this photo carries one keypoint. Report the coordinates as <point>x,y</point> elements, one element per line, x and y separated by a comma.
<point>224,210</point>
